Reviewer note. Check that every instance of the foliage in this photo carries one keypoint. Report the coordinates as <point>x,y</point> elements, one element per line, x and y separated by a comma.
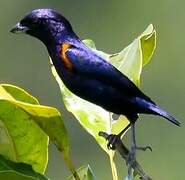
<point>17,171</point>
<point>25,126</point>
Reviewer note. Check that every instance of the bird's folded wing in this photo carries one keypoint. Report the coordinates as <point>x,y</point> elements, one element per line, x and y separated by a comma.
<point>86,63</point>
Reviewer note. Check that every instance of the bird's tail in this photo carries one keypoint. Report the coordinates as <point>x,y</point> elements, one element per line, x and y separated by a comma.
<point>154,109</point>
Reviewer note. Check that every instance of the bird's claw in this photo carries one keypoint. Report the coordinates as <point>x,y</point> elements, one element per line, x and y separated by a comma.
<point>132,155</point>
<point>112,139</point>
<point>144,148</point>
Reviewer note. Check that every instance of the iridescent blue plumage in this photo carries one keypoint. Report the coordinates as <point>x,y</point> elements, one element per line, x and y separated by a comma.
<point>85,73</point>
<point>91,77</point>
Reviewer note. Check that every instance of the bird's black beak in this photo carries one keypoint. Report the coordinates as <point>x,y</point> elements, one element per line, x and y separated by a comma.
<point>18,28</point>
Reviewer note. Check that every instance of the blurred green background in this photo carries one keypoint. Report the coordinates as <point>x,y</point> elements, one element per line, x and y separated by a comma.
<point>112,25</point>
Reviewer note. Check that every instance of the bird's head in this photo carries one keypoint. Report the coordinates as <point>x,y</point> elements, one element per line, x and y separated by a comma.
<point>44,24</point>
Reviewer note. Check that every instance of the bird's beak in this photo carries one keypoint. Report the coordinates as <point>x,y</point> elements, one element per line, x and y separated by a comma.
<point>18,28</point>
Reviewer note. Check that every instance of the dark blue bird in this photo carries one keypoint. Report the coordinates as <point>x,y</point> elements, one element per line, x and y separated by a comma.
<point>85,73</point>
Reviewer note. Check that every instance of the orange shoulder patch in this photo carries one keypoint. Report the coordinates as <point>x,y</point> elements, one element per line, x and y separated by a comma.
<point>64,58</point>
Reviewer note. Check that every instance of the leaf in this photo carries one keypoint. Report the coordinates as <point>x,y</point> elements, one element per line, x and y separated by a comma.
<point>21,139</point>
<point>17,171</point>
<point>85,173</point>
<point>89,43</point>
<point>148,43</point>
<point>24,128</point>
<point>49,120</point>
<point>130,62</point>
<point>135,56</point>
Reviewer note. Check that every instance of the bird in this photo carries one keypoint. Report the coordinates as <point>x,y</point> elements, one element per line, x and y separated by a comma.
<point>87,74</point>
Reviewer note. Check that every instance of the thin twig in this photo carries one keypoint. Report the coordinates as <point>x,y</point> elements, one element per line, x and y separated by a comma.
<point>124,152</point>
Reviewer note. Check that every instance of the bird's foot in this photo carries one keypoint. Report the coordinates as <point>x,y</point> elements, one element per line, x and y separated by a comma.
<point>112,139</point>
<point>132,154</point>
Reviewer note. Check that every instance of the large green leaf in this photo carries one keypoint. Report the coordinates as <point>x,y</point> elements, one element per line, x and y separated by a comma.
<point>21,140</point>
<point>17,171</point>
<point>25,126</point>
<point>129,61</point>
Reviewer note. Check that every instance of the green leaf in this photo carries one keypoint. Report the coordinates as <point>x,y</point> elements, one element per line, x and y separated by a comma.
<point>49,120</point>
<point>85,173</point>
<point>25,126</point>
<point>21,140</point>
<point>148,43</point>
<point>90,43</point>
<point>17,171</point>
<point>135,56</point>
<point>130,62</point>
<point>16,93</point>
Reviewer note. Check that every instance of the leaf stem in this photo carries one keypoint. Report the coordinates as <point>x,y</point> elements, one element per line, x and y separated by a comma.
<point>70,165</point>
<point>73,171</point>
<point>113,166</point>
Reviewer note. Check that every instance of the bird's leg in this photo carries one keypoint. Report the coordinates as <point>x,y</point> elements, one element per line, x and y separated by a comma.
<point>113,138</point>
<point>132,154</point>
<point>124,130</point>
<point>134,147</point>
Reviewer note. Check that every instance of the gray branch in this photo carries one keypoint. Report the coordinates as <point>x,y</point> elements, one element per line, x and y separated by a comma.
<point>124,152</point>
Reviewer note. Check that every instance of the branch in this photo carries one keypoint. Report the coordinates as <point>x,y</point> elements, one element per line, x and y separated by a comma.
<point>124,152</point>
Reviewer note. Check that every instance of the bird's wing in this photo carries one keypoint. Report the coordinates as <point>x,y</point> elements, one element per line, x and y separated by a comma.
<point>85,62</point>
